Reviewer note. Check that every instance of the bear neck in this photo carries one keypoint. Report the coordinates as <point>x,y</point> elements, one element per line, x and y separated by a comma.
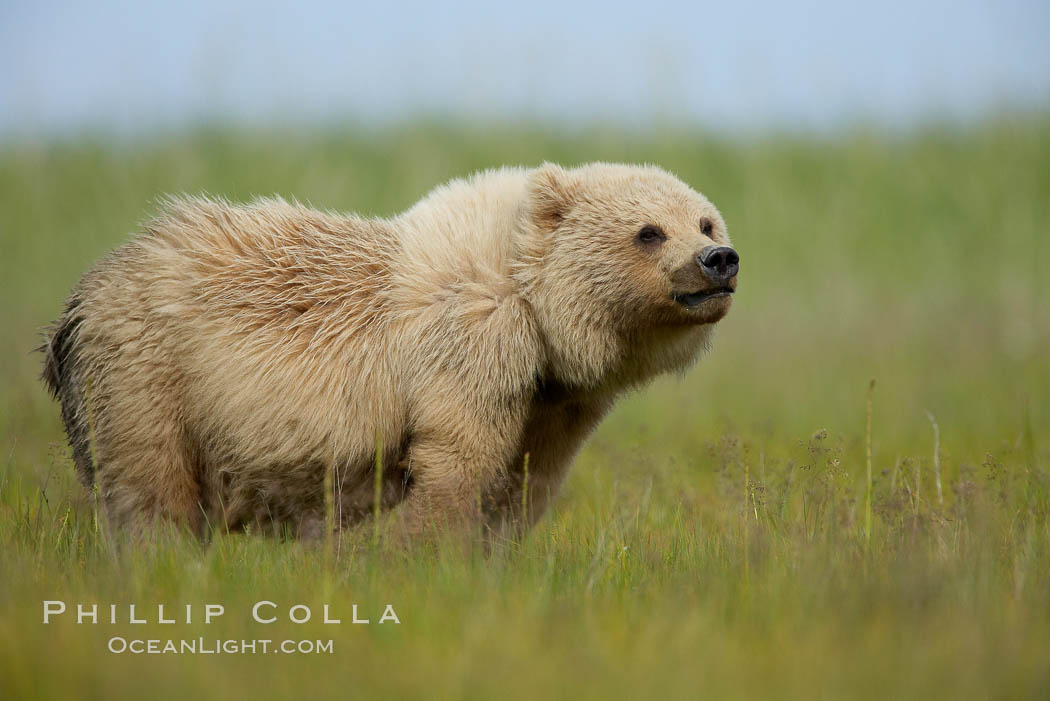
<point>608,361</point>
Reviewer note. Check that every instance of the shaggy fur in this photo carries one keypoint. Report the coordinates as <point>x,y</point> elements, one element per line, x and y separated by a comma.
<point>219,364</point>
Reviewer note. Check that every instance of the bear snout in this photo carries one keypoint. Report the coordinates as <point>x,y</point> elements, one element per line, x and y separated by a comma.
<point>719,263</point>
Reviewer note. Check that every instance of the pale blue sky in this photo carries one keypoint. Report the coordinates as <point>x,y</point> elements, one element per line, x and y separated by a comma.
<point>136,66</point>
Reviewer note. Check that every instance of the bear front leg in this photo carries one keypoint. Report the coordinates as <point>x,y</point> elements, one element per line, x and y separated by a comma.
<point>553,434</point>
<point>454,462</point>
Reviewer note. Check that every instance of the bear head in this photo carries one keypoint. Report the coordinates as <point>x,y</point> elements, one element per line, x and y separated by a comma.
<point>627,268</point>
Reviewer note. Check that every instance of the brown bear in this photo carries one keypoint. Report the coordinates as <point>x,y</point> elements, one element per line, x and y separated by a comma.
<point>215,369</point>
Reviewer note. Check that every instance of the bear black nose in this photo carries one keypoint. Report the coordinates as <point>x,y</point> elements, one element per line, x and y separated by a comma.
<point>719,262</point>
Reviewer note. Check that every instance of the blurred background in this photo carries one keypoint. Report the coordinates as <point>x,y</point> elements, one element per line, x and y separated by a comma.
<point>131,67</point>
<point>884,170</point>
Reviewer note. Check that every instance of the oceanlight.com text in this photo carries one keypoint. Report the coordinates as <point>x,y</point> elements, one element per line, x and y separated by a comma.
<point>211,646</point>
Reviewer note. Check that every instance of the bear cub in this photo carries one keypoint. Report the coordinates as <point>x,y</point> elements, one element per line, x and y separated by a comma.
<point>232,362</point>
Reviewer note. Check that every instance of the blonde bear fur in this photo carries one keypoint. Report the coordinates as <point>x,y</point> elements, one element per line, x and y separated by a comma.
<point>213,369</point>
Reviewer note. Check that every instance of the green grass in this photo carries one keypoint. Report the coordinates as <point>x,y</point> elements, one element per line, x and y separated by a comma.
<point>712,539</point>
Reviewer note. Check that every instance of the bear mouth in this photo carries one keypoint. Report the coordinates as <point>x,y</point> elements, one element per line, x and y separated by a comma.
<point>693,299</point>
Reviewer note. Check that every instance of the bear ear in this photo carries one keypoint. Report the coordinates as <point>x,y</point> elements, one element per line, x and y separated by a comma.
<point>552,193</point>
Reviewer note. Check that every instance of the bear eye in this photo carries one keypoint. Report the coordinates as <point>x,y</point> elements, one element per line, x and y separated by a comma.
<point>651,234</point>
<point>707,227</point>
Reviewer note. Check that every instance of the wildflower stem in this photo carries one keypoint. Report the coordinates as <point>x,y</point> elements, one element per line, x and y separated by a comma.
<point>867,444</point>
<point>378,496</point>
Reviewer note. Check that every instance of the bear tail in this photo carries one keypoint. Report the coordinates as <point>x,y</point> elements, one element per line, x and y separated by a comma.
<point>61,356</point>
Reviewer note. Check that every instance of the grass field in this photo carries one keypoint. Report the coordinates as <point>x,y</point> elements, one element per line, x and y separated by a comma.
<point>713,538</point>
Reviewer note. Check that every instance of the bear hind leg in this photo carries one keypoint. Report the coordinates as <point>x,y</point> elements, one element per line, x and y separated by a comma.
<point>151,478</point>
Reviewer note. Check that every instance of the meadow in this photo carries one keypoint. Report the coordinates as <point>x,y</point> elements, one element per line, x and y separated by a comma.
<point>718,537</point>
